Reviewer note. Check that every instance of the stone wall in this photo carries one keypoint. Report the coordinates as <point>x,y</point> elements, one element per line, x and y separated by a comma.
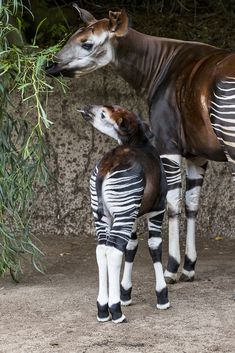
<point>75,147</point>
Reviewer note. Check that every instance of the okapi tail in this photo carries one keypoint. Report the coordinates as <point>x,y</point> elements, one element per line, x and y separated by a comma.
<point>100,206</point>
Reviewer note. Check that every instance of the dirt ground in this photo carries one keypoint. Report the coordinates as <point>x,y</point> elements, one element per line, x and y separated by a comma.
<point>56,312</point>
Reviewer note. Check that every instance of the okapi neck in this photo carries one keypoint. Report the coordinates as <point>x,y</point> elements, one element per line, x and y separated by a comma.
<point>138,140</point>
<point>142,60</point>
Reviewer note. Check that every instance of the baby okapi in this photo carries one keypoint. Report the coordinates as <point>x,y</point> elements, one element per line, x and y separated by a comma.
<point>128,182</point>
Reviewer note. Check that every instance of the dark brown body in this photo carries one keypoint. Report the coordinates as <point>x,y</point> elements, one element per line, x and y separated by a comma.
<point>179,86</point>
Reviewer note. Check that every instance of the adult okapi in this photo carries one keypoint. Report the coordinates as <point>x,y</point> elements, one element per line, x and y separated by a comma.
<point>190,88</point>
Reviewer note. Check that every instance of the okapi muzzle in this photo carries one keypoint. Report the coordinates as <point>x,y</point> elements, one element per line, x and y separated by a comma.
<point>55,69</point>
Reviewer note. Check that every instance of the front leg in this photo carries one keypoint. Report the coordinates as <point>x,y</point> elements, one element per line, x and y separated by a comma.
<point>195,172</point>
<point>171,164</point>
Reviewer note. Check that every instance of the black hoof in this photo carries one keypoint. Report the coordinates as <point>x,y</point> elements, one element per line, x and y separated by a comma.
<point>170,280</point>
<point>121,320</point>
<point>103,312</point>
<point>162,299</point>
<point>125,295</point>
<point>184,278</point>
<point>116,313</point>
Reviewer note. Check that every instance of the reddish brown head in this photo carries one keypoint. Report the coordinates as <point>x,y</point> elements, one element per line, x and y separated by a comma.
<point>90,47</point>
<point>117,122</point>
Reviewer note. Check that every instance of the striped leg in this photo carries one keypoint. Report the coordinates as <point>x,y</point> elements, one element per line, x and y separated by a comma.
<point>102,299</point>
<point>222,116</point>
<point>117,243</point>
<point>195,171</point>
<point>102,232</point>
<point>171,164</point>
<point>122,191</point>
<point>130,252</point>
<point>114,259</point>
<point>155,248</point>
<point>102,225</point>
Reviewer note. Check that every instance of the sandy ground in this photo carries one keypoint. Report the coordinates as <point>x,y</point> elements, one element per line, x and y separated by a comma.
<point>57,312</point>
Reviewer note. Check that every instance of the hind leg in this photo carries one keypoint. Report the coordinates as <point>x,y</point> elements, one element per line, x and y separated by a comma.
<point>117,243</point>
<point>102,299</point>
<point>114,260</point>
<point>195,171</point>
<point>123,192</point>
<point>126,284</point>
<point>102,225</point>
<point>155,248</point>
<point>102,231</point>
<point>172,164</point>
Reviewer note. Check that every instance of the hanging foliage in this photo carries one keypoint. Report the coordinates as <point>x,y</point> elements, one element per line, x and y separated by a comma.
<point>23,149</point>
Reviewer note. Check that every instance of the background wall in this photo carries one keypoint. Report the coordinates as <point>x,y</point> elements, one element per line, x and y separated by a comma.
<point>75,147</point>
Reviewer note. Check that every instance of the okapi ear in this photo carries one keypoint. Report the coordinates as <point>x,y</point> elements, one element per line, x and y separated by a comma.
<point>118,23</point>
<point>122,124</point>
<point>85,15</point>
<point>149,134</point>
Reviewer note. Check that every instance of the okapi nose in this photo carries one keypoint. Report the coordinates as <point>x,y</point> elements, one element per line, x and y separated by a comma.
<point>86,112</point>
<point>81,110</point>
<point>51,68</point>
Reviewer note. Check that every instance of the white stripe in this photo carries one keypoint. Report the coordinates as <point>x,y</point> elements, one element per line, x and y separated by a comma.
<point>223,119</point>
<point>118,172</point>
<point>229,128</point>
<point>154,242</point>
<point>226,89</point>
<point>223,132</point>
<point>154,213</point>
<point>172,178</point>
<point>230,144</point>
<point>173,172</point>
<point>217,111</point>
<point>173,157</point>
<point>224,97</point>
<point>230,78</point>
<point>223,106</point>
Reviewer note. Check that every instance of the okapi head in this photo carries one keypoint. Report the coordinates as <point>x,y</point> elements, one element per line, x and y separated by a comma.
<point>118,123</point>
<point>90,47</point>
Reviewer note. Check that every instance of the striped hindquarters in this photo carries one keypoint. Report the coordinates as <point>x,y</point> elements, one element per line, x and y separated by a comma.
<point>171,165</point>
<point>222,115</point>
<point>122,194</point>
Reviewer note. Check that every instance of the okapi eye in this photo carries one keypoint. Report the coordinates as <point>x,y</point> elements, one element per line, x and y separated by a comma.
<point>87,46</point>
<point>102,115</point>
